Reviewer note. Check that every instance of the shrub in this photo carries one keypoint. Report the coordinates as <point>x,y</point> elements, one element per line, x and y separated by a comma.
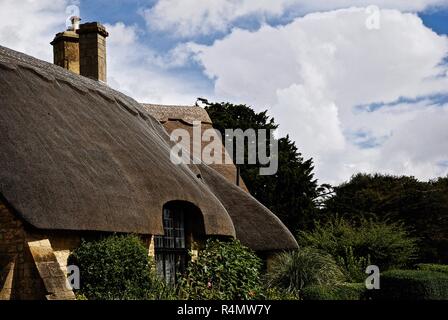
<point>353,267</point>
<point>412,285</point>
<point>357,243</point>
<point>292,271</point>
<point>344,291</point>
<point>274,293</point>
<point>433,267</point>
<point>116,267</point>
<point>222,271</point>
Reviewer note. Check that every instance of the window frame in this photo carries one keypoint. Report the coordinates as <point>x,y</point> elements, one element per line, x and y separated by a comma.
<point>171,250</point>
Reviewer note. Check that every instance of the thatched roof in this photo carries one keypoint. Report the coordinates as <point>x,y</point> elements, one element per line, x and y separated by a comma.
<point>182,117</point>
<point>186,114</point>
<point>255,226</point>
<point>77,155</point>
<point>251,218</point>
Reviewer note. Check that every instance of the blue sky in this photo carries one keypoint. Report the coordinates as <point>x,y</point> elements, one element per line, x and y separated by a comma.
<point>113,11</point>
<point>437,20</point>
<point>130,13</point>
<point>358,89</point>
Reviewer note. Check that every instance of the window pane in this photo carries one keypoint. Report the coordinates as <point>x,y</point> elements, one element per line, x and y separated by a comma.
<point>170,248</point>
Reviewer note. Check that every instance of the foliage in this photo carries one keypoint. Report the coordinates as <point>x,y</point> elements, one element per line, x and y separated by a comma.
<point>421,206</point>
<point>116,267</point>
<point>344,291</point>
<point>79,296</point>
<point>292,192</point>
<point>160,289</point>
<point>354,244</point>
<point>274,293</point>
<point>222,271</point>
<point>353,266</point>
<point>292,271</point>
<point>412,285</point>
<point>433,267</point>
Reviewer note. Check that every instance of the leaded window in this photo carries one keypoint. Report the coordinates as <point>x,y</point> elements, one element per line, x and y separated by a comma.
<point>170,249</point>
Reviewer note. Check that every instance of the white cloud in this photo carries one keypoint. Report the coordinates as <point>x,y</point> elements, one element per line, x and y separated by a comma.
<point>314,71</point>
<point>188,18</point>
<point>29,25</point>
<point>138,71</point>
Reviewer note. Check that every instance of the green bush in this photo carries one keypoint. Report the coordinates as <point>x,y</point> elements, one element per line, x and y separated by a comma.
<point>292,271</point>
<point>116,267</point>
<point>355,244</point>
<point>412,285</point>
<point>354,267</point>
<point>222,271</point>
<point>344,291</point>
<point>273,293</point>
<point>433,267</point>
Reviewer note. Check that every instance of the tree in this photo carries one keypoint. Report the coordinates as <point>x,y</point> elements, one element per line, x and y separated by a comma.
<point>292,191</point>
<point>421,206</point>
<point>356,243</point>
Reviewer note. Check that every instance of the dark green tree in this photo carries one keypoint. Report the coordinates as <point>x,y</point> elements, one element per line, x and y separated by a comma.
<point>421,206</point>
<point>292,192</point>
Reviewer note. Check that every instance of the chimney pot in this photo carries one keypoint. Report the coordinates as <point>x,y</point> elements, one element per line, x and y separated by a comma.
<point>75,23</point>
<point>82,49</point>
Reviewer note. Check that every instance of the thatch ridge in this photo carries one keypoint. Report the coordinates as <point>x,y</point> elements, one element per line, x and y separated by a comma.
<point>187,114</point>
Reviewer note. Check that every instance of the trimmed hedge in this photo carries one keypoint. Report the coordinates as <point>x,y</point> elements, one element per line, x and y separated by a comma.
<point>433,267</point>
<point>344,291</point>
<point>412,285</point>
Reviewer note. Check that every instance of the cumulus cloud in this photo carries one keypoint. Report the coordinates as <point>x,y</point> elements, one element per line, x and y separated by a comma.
<point>29,25</point>
<point>140,72</point>
<point>189,18</point>
<point>315,71</point>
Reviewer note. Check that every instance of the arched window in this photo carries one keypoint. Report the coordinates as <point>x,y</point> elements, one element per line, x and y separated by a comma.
<point>170,249</point>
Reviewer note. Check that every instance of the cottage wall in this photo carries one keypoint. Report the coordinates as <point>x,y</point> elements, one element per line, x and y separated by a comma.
<point>19,276</point>
<point>33,263</point>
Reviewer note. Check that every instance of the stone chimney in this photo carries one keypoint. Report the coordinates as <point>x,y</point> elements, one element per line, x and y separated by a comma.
<point>66,47</point>
<point>82,49</point>
<point>92,50</point>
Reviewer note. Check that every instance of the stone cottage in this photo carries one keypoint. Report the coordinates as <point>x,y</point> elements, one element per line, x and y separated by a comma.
<point>81,160</point>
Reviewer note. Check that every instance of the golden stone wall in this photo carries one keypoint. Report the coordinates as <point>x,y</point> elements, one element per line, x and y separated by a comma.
<point>92,51</point>
<point>33,263</point>
<point>66,51</point>
<point>19,277</point>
